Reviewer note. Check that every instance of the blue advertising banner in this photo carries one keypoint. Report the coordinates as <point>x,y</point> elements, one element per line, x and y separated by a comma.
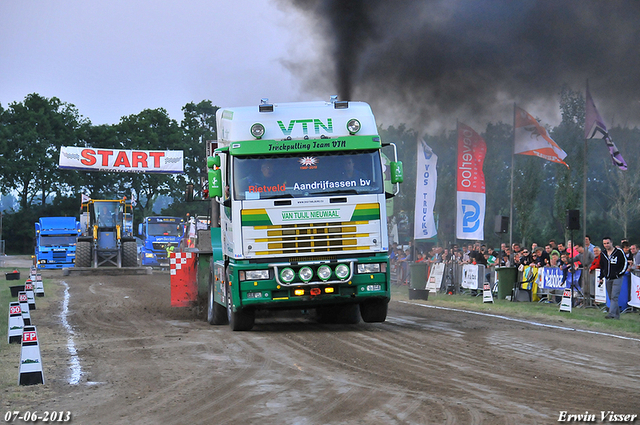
<point>553,278</point>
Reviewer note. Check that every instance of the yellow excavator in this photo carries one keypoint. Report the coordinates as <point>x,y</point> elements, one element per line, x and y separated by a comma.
<point>107,235</point>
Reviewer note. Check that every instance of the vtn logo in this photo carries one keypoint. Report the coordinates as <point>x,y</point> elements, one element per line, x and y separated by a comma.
<point>305,123</point>
<point>470,215</point>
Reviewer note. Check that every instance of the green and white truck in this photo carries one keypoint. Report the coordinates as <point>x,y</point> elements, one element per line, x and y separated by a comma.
<point>300,193</point>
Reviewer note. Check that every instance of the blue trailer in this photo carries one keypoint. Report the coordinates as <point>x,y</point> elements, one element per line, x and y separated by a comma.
<point>157,234</point>
<point>56,239</point>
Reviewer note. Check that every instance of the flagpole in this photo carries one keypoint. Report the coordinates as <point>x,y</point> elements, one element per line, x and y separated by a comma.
<point>455,223</point>
<point>587,287</point>
<point>513,150</point>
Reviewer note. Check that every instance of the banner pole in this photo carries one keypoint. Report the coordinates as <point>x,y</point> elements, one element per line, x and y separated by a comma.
<point>513,150</point>
<point>585,267</point>
<point>455,226</point>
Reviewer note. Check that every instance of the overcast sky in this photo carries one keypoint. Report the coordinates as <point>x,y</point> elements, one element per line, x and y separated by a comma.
<point>116,58</point>
<point>426,63</point>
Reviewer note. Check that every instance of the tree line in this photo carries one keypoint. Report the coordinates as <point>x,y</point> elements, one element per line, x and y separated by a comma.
<point>32,132</point>
<point>543,190</point>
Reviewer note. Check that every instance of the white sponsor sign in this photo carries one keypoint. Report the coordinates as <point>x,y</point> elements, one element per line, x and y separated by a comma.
<point>470,215</point>
<point>121,160</point>
<point>426,185</point>
<point>435,277</point>
<point>634,300</point>
<point>470,276</point>
<point>601,290</point>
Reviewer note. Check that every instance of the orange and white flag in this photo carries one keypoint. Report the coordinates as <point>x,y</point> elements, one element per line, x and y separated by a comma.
<point>531,138</point>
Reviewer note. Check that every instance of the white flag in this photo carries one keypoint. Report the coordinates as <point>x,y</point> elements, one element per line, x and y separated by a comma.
<point>426,183</point>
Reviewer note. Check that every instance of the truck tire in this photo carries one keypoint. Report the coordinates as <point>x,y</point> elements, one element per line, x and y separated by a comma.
<point>241,319</point>
<point>129,254</point>
<point>344,314</point>
<point>216,313</point>
<point>374,311</point>
<point>83,254</point>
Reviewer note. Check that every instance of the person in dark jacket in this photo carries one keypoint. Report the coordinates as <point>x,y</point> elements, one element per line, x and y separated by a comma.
<point>613,265</point>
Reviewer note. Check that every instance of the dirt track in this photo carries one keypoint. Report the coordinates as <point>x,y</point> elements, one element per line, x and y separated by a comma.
<point>143,362</point>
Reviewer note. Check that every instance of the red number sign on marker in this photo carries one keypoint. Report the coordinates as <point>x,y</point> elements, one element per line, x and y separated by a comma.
<point>22,297</point>
<point>29,336</point>
<point>28,287</point>
<point>15,309</point>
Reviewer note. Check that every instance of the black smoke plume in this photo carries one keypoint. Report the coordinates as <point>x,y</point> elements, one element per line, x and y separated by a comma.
<point>475,58</point>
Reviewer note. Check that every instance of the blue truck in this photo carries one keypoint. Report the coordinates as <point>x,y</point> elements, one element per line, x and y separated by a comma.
<point>56,239</point>
<point>157,234</point>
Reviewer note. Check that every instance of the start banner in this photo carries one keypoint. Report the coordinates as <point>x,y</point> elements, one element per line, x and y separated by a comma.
<point>121,160</point>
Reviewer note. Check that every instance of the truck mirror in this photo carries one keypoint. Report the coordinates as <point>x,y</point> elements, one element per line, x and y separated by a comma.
<point>396,172</point>
<point>215,183</point>
<point>213,161</point>
<point>140,229</point>
<point>188,194</point>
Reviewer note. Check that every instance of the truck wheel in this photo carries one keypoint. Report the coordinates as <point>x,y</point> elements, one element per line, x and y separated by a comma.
<point>83,254</point>
<point>373,311</point>
<point>345,314</point>
<point>129,254</point>
<point>216,313</point>
<point>241,319</point>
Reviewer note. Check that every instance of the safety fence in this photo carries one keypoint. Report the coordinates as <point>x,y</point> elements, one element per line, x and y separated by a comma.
<point>526,283</point>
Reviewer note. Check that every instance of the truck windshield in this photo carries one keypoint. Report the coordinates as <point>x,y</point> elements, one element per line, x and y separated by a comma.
<point>57,240</point>
<point>299,175</point>
<point>164,229</point>
<point>107,214</point>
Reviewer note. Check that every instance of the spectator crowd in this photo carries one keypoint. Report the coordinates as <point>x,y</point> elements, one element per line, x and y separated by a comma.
<point>585,256</point>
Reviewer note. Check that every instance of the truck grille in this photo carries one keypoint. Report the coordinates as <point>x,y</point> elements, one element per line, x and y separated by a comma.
<point>164,245</point>
<point>59,256</point>
<point>311,238</point>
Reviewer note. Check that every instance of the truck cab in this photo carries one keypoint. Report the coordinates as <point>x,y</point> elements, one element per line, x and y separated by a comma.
<point>55,242</point>
<point>158,234</point>
<point>300,189</point>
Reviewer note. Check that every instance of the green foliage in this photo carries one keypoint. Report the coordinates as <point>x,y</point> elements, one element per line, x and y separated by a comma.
<point>32,132</point>
<point>150,129</point>
<point>18,228</point>
<point>199,126</point>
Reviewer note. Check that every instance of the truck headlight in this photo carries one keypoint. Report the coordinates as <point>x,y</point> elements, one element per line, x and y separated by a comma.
<point>306,274</point>
<point>342,271</point>
<point>353,126</point>
<point>254,275</point>
<point>149,255</point>
<point>287,275</point>
<point>257,130</point>
<point>369,268</point>
<point>324,272</point>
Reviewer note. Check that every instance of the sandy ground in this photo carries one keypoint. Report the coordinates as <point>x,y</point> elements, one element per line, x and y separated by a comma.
<point>139,361</point>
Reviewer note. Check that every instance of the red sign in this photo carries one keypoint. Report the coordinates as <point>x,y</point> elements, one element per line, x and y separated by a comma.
<point>29,336</point>
<point>137,161</point>
<point>471,152</point>
<point>28,287</point>
<point>22,297</point>
<point>15,309</point>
